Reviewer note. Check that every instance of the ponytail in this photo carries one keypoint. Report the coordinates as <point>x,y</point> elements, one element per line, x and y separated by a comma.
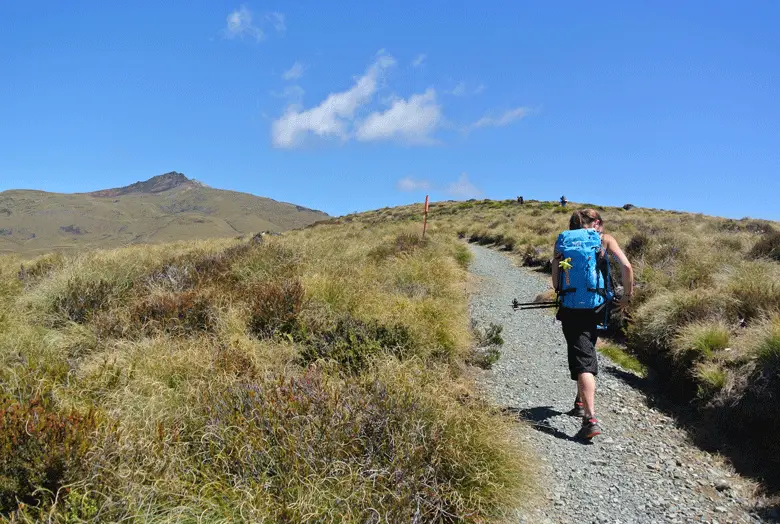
<point>575,222</point>
<point>584,218</point>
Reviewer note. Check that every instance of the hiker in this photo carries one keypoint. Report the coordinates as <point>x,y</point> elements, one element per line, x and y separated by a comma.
<point>578,275</point>
<point>564,201</point>
<point>520,200</point>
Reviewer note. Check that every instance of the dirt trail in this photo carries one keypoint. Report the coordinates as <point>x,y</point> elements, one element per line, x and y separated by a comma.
<point>641,469</point>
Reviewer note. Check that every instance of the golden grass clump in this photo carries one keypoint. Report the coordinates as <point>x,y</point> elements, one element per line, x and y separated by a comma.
<point>700,341</point>
<point>313,377</point>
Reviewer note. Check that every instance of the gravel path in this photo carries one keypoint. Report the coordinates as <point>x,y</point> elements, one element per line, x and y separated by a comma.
<point>641,469</point>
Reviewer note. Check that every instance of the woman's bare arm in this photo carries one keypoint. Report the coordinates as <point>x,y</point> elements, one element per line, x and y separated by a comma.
<point>627,272</point>
<point>555,269</point>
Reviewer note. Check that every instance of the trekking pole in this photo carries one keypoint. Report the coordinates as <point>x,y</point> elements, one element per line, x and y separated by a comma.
<point>533,305</point>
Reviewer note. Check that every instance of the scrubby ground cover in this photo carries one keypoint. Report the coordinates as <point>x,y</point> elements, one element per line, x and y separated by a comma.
<point>312,377</point>
<point>706,317</point>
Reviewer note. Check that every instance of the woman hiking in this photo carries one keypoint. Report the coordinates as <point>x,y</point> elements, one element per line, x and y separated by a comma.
<point>578,275</point>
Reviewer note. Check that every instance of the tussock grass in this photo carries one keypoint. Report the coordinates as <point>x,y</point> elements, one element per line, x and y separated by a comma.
<point>623,359</point>
<point>700,340</point>
<point>313,377</point>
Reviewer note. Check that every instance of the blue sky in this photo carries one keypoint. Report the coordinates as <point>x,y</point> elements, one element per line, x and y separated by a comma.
<point>358,105</point>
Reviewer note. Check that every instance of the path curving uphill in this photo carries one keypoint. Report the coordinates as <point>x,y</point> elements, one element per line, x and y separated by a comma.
<point>641,469</point>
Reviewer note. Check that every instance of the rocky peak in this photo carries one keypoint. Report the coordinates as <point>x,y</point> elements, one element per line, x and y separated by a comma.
<point>156,184</point>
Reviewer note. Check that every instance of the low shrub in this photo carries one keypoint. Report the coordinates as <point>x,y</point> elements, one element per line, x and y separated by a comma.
<point>180,314</point>
<point>489,336</point>
<point>42,448</point>
<point>638,245</point>
<point>486,351</point>
<point>403,243</point>
<point>42,267</point>
<point>274,307</point>
<point>82,298</point>
<point>767,247</point>
<point>533,257</point>
<point>353,343</point>
<point>380,447</point>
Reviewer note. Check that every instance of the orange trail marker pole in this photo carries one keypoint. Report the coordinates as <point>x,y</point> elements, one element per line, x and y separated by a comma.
<point>425,216</point>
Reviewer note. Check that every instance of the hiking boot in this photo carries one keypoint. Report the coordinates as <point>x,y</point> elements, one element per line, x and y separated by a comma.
<point>578,410</point>
<point>590,428</point>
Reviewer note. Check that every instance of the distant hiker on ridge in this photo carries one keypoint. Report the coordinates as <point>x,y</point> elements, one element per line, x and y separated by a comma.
<point>564,201</point>
<point>580,276</point>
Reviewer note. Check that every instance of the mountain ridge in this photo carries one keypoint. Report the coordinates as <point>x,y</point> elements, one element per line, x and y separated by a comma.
<point>163,208</point>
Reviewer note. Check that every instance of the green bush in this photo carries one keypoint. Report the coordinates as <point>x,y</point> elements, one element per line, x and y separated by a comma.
<point>353,343</point>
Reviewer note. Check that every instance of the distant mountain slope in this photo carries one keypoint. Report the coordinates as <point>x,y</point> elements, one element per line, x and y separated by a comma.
<point>164,208</point>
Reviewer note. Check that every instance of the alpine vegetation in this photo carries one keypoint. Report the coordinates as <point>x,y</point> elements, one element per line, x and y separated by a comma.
<point>315,376</point>
<point>706,306</point>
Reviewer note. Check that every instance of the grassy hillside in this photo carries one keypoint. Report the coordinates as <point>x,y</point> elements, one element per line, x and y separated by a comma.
<point>314,377</point>
<point>164,209</point>
<point>706,317</point>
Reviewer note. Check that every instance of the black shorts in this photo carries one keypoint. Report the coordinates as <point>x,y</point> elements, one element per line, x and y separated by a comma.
<point>579,329</point>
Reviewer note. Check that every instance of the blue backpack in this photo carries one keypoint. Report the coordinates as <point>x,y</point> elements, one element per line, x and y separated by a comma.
<point>585,285</point>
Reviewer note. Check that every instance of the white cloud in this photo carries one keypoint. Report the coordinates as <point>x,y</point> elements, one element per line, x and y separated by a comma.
<point>239,24</point>
<point>277,19</point>
<point>409,184</point>
<point>295,72</point>
<point>410,121</point>
<point>504,119</point>
<point>418,61</point>
<point>331,116</point>
<point>463,188</point>
<point>480,89</point>
<point>459,90</point>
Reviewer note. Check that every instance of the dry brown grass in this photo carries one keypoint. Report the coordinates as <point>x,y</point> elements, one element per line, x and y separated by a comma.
<point>315,377</point>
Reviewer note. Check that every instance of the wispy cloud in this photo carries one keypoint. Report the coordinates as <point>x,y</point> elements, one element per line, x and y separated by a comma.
<point>410,121</point>
<point>501,120</point>
<point>295,72</point>
<point>292,93</point>
<point>277,19</point>
<point>409,184</point>
<point>333,115</point>
<point>239,25</point>
<point>459,90</point>
<point>419,59</point>
<point>463,188</point>
<point>462,89</point>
